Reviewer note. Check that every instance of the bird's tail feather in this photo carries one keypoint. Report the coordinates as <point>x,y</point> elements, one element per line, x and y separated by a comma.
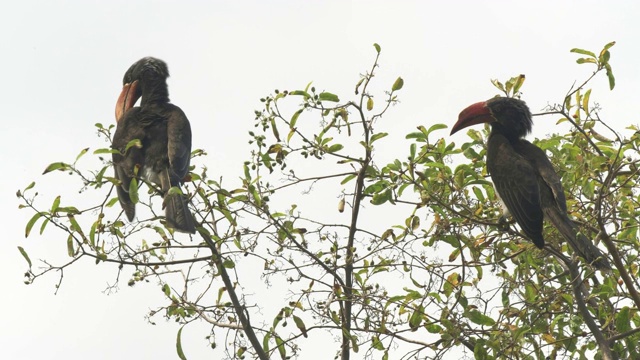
<point>580,244</point>
<point>177,213</point>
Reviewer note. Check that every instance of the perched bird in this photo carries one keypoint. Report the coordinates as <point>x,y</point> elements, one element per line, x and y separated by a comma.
<point>523,175</point>
<point>165,136</point>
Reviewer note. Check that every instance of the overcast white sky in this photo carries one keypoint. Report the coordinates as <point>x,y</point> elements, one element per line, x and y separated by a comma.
<point>62,65</point>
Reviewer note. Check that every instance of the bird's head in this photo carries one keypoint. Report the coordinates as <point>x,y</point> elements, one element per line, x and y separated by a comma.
<point>511,115</point>
<point>145,70</point>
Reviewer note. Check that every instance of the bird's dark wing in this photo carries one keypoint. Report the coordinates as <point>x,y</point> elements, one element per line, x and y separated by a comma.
<point>179,144</point>
<point>545,169</point>
<point>554,206</point>
<point>123,192</point>
<point>124,162</point>
<point>516,181</point>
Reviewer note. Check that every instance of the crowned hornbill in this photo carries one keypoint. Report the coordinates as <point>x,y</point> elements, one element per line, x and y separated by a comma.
<point>165,136</point>
<point>523,175</point>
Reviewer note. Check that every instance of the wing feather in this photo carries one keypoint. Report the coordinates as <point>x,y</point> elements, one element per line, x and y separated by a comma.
<point>516,181</point>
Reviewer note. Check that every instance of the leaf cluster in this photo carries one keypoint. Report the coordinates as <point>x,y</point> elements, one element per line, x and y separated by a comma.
<point>409,258</point>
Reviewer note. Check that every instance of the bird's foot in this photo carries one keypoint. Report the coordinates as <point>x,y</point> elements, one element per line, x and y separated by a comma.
<point>503,223</point>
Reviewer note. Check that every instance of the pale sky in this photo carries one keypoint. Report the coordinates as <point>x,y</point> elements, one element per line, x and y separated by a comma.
<point>63,64</point>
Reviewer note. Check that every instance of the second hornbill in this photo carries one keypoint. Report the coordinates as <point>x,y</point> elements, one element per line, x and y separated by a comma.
<point>165,136</point>
<point>523,175</point>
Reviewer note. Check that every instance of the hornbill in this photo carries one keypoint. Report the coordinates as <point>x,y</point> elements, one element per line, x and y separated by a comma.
<point>165,135</point>
<point>523,175</point>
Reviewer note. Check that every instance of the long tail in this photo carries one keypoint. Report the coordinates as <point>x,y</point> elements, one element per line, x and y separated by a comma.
<point>580,243</point>
<point>177,213</point>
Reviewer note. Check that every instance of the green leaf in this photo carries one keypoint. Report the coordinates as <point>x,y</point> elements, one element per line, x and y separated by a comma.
<point>179,344</point>
<point>300,325</point>
<point>229,264</point>
<point>31,222</point>
<point>586,60</point>
<point>300,93</point>
<point>416,135</point>
<point>33,183</point>
<point>347,179</point>
<point>70,251</point>
<point>133,143</point>
<point>583,52</point>
<point>100,175</point>
<point>479,351</point>
<point>479,318</point>
<point>416,318</point>
<point>111,202</point>
<point>105,151</point>
<point>530,293</point>
<point>290,134</point>
<point>92,233</point>
<point>24,254</point>
<point>306,88</point>
<point>56,204</point>
<point>435,127</point>
<point>274,128</point>
<point>623,320</point>
<point>376,343</point>
<point>326,96</point>
<point>505,298</point>
<point>358,85</point>
<point>44,225</point>
<point>281,348</point>
<point>497,84</point>
<point>133,190</point>
<point>375,45</point>
<point>370,103</point>
<point>478,193</point>
<point>398,84</point>
<point>247,174</point>
<point>609,45</point>
<point>604,57</point>
<point>381,198</point>
<point>220,293</point>
<point>612,80</point>
<point>56,166</point>
<point>74,223</point>
<point>166,289</point>
<point>82,152</point>
<point>434,328</point>
<point>377,136</point>
<point>518,83</point>
<point>294,118</point>
<point>334,148</point>
<point>509,84</point>
<point>585,101</point>
<point>415,223</point>
<point>354,343</point>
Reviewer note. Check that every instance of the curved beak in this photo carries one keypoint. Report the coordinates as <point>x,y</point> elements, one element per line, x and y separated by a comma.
<point>477,113</point>
<point>128,97</point>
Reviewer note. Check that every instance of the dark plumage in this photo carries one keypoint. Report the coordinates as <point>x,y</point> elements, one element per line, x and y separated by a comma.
<point>523,175</point>
<point>165,134</point>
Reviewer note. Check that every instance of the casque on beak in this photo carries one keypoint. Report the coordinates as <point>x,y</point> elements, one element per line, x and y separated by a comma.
<point>477,113</point>
<point>128,97</point>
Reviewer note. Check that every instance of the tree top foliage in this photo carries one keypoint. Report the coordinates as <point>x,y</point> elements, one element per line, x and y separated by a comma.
<point>400,259</point>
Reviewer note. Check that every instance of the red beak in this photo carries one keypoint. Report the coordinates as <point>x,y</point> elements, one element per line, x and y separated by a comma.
<point>128,97</point>
<point>477,113</point>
